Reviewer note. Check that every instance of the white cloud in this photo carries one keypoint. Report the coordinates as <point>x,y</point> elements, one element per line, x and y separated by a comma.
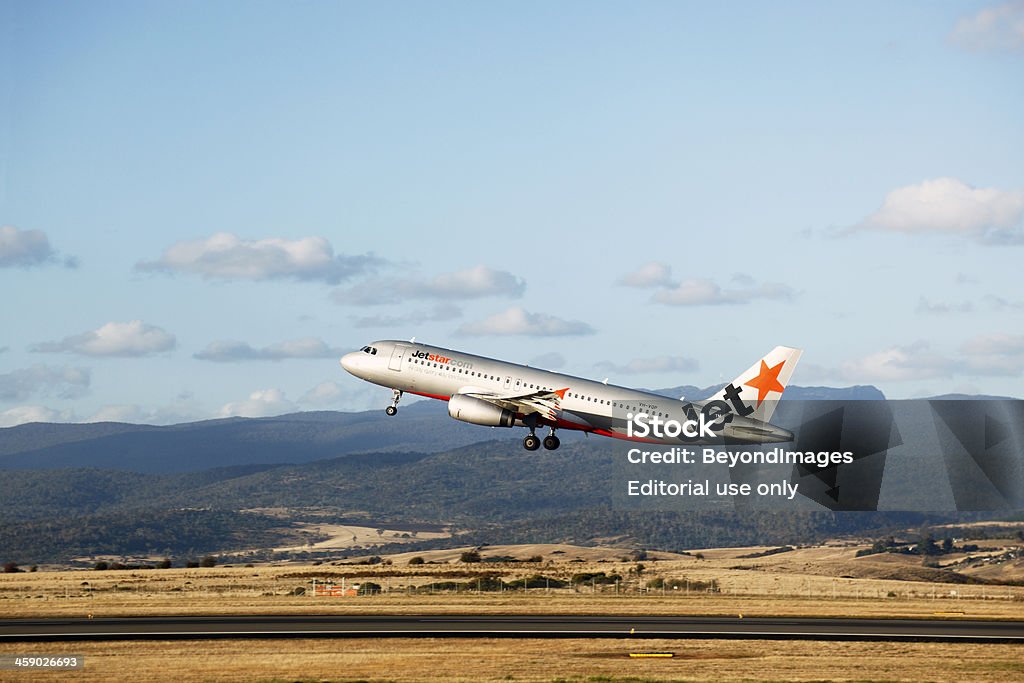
<point>228,257</point>
<point>657,364</point>
<point>705,292</point>
<point>998,28</point>
<point>1002,304</point>
<point>950,206</point>
<point>26,414</point>
<point>120,413</point>
<point>549,361</point>
<point>262,403</point>
<point>26,248</point>
<point>474,283</point>
<point>965,279</point>
<point>995,354</point>
<point>701,291</point>
<point>130,339</point>
<point>323,394</point>
<point>943,308</point>
<point>184,408</point>
<point>517,321</point>
<point>652,274</point>
<point>995,344</point>
<point>894,364</point>
<point>44,380</point>
<point>225,351</point>
<point>438,313</point>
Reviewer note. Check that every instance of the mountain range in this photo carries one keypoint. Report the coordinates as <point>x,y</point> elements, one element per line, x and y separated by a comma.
<point>422,427</point>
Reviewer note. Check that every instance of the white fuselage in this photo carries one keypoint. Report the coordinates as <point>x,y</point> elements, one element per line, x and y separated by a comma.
<point>585,405</point>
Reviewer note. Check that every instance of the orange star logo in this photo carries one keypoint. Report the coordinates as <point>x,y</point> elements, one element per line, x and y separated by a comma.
<point>767,380</point>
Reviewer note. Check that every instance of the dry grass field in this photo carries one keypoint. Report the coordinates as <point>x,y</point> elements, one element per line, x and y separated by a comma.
<point>821,581</point>
<point>818,581</point>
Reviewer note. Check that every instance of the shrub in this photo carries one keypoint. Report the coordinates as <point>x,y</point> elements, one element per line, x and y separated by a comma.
<point>536,581</point>
<point>595,578</point>
<point>416,560</point>
<point>470,556</point>
<point>684,584</point>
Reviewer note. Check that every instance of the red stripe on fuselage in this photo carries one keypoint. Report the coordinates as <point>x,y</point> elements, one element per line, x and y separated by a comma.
<point>437,396</point>
<point>560,424</point>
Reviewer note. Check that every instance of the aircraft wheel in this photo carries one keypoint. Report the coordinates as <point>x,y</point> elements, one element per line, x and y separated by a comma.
<point>551,442</point>
<point>531,442</point>
<point>391,410</point>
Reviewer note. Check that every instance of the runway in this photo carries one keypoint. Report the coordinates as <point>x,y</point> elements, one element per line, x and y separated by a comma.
<point>509,626</point>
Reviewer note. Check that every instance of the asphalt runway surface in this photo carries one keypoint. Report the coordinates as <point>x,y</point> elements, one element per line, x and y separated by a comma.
<point>509,626</point>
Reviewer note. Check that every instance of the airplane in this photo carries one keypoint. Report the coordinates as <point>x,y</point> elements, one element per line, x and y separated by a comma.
<point>495,393</point>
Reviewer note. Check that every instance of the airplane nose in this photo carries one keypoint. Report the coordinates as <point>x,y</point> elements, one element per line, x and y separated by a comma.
<point>350,361</point>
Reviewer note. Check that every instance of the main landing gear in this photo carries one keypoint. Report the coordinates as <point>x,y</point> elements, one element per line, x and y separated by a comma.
<point>532,442</point>
<point>393,408</point>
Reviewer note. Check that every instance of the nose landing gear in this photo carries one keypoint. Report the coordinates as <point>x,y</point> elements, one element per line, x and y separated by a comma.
<point>393,408</point>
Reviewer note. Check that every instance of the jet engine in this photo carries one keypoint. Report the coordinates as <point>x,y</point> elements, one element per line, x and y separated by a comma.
<point>479,412</point>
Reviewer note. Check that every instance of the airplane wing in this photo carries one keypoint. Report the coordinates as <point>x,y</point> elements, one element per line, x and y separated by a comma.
<point>547,403</point>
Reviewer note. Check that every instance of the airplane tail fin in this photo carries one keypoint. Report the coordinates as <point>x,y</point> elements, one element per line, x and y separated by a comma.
<point>761,386</point>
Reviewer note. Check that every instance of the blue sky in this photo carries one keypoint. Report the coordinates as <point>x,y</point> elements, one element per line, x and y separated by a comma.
<point>204,204</point>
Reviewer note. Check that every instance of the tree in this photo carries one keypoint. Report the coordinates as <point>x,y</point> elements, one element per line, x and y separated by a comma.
<point>470,556</point>
<point>101,566</point>
<point>11,568</point>
<point>164,563</point>
<point>947,545</point>
<point>927,545</point>
<point>416,560</point>
<point>208,561</point>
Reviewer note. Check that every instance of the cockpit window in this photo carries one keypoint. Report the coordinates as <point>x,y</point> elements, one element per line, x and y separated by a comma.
<point>370,350</point>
